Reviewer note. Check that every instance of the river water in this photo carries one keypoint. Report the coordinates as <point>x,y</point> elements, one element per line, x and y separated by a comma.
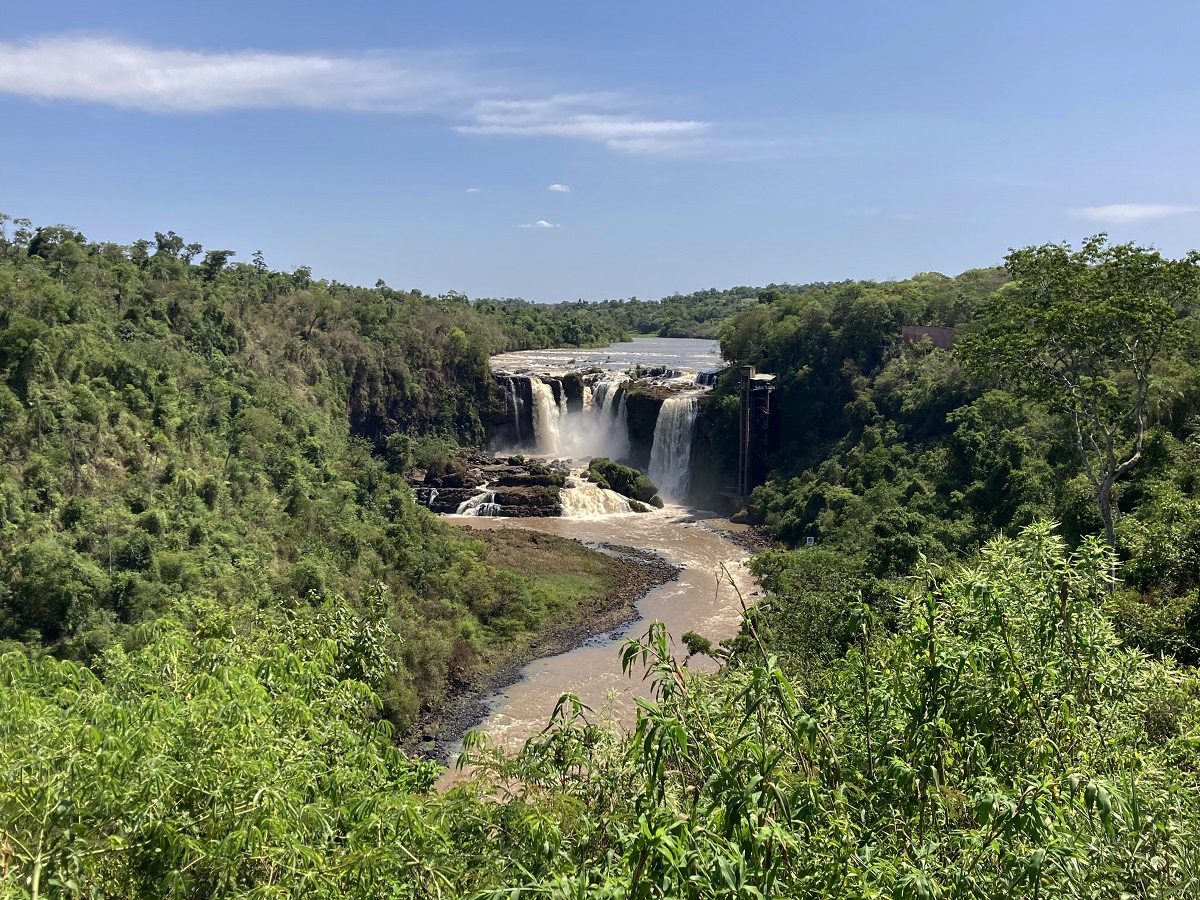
<point>701,600</point>
<point>685,354</point>
<point>708,595</point>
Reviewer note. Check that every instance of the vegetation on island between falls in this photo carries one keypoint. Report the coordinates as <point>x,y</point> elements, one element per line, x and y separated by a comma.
<point>625,480</point>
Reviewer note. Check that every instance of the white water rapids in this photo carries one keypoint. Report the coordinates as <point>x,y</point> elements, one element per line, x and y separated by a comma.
<point>584,500</point>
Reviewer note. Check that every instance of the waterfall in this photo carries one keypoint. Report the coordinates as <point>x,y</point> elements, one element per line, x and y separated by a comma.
<point>602,394</point>
<point>545,423</point>
<point>584,500</point>
<point>433,492</point>
<point>671,455</point>
<point>546,417</point>
<point>482,504</point>
<point>607,432</point>
<point>515,396</point>
<point>518,394</point>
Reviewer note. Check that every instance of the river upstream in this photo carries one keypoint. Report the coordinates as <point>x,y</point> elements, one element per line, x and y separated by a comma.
<point>706,598</point>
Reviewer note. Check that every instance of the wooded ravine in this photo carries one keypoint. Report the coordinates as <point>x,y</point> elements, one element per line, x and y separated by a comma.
<point>225,611</point>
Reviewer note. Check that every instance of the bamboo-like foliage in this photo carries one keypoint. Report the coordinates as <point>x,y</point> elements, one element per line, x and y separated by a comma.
<point>1000,743</point>
<point>202,767</point>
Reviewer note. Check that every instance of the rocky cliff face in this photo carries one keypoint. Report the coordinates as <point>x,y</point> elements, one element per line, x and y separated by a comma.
<point>642,404</point>
<point>520,489</point>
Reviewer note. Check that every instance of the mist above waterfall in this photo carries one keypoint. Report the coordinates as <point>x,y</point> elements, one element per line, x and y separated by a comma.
<point>596,428</point>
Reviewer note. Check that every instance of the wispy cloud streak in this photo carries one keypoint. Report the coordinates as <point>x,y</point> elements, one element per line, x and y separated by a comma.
<point>1120,213</point>
<point>586,117</point>
<point>131,76</point>
<point>452,86</point>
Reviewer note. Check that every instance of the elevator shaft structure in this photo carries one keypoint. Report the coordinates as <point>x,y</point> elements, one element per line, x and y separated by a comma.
<point>754,430</point>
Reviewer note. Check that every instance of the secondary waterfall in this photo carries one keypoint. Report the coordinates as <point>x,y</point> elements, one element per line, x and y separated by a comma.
<point>520,400</point>
<point>547,415</point>
<point>604,431</point>
<point>482,504</point>
<point>671,455</point>
<point>584,500</point>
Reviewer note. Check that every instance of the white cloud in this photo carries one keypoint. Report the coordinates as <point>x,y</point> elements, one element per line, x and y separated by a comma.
<point>1131,212</point>
<point>540,223</point>
<point>584,117</point>
<point>561,188</point>
<point>454,87</point>
<point>472,190</point>
<point>102,70</point>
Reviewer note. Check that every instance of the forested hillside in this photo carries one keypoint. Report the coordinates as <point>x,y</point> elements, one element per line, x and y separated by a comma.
<point>893,452</point>
<point>178,429</point>
<point>220,605</point>
<point>695,315</point>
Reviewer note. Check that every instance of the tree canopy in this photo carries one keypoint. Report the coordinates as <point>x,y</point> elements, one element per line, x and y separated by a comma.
<point>1083,330</point>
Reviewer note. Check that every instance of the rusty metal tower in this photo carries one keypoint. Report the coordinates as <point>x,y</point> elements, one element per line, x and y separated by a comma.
<point>754,428</point>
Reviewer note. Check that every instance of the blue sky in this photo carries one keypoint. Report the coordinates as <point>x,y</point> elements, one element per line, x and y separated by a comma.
<point>691,145</point>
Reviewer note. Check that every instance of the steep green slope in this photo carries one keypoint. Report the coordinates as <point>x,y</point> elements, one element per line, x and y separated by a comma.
<point>174,431</point>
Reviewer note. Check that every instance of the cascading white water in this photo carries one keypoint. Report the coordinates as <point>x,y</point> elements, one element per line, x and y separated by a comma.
<point>547,415</point>
<point>671,455</point>
<point>598,429</point>
<point>433,492</point>
<point>482,504</point>
<point>583,500</point>
<point>518,407</point>
<point>606,432</point>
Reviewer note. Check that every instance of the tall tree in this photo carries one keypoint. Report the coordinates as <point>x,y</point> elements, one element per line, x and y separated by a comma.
<point>1082,331</point>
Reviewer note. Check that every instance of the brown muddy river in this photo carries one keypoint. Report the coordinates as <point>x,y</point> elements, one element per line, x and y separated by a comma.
<point>701,600</point>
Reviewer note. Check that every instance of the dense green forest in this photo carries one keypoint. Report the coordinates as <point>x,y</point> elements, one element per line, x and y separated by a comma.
<point>178,430</point>
<point>695,315</point>
<point>221,606</point>
<point>894,453</point>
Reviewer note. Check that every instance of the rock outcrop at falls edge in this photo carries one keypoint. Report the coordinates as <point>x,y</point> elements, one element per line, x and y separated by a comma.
<point>521,489</point>
<point>624,480</point>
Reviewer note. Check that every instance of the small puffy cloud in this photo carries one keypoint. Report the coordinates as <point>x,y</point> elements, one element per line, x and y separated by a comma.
<point>540,223</point>
<point>561,188</point>
<point>1131,212</point>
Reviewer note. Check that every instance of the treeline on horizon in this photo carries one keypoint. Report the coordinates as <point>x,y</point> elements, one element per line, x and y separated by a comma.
<point>222,608</point>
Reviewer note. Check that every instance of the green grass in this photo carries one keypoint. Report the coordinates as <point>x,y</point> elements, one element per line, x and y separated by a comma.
<point>547,581</point>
